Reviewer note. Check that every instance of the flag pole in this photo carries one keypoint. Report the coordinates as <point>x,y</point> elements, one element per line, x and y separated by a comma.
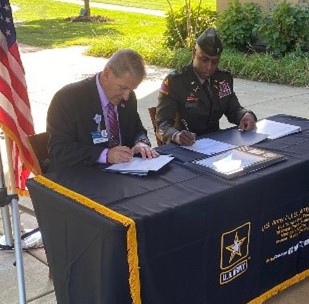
<point>10,164</point>
<point>16,224</point>
<point>7,239</point>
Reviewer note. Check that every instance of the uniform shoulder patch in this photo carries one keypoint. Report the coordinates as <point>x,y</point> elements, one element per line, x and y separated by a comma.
<point>177,72</point>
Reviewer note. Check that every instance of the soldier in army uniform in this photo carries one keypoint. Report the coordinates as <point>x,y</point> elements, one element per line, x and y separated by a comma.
<point>197,96</point>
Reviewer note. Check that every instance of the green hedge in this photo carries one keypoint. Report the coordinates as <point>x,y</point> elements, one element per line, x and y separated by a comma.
<point>237,25</point>
<point>286,28</point>
<point>177,24</point>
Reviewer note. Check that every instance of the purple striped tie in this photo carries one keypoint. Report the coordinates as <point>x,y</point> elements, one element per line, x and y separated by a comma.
<point>113,126</point>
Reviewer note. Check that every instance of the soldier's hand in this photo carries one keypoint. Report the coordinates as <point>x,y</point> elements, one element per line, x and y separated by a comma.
<point>247,122</point>
<point>119,154</point>
<point>184,138</point>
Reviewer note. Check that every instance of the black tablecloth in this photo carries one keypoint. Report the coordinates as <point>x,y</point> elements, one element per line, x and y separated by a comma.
<point>199,238</point>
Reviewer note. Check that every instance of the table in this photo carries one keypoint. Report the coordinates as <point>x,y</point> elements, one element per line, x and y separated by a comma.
<point>178,236</point>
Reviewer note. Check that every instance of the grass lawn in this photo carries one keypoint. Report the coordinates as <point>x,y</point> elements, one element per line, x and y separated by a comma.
<point>45,26</point>
<point>155,4</point>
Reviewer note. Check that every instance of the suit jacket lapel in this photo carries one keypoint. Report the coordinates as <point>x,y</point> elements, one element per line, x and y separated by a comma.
<point>94,97</point>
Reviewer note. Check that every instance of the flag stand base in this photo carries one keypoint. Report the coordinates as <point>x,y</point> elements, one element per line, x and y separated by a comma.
<point>7,200</point>
<point>13,201</point>
<point>34,240</point>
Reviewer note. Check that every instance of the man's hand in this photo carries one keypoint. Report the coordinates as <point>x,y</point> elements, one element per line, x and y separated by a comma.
<point>144,150</point>
<point>119,154</point>
<point>184,138</point>
<point>247,122</point>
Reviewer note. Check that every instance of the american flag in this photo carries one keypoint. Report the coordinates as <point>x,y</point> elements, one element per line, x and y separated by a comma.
<point>15,113</point>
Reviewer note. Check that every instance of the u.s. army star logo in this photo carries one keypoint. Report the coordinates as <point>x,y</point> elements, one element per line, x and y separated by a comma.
<point>234,253</point>
<point>235,245</point>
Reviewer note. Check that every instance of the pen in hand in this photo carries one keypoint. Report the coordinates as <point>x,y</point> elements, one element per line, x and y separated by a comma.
<point>185,124</point>
<point>186,137</point>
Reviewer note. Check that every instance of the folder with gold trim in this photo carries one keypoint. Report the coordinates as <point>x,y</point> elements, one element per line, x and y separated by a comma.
<point>239,161</point>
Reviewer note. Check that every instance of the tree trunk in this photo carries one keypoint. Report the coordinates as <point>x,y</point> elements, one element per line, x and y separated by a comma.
<point>87,7</point>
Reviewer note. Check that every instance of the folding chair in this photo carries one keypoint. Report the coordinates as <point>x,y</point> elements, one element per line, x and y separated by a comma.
<point>38,148</point>
<point>152,112</point>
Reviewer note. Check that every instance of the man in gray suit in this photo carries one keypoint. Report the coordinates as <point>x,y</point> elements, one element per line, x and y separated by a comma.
<point>95,120</point>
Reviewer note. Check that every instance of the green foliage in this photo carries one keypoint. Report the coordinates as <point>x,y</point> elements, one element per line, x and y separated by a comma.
<point>237,24</point>
<point>151,52</point>
<point>286,28</point>
<point>289,69</point>
<point>177,33</point>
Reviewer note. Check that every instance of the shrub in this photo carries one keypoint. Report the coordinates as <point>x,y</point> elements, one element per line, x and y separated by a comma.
<point>237,24</point>
<point>287,70</point>
<point>177,35</point>
<point>286,28</point>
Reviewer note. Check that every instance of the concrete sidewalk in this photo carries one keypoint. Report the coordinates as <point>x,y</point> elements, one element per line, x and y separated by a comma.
<point>49,70</point>
<point>120,8</point>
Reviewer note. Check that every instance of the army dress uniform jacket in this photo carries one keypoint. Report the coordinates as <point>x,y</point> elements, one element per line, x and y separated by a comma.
<point>181,92</point>
<point>70,121</point>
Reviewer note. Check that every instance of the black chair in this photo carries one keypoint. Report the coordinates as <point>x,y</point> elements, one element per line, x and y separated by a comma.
<point>38,148</point>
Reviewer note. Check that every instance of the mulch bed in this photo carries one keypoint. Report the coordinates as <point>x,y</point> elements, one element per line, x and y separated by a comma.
<point>97,19</point>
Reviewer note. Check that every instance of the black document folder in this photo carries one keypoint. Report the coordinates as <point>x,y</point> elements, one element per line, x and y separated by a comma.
<point>237,138</point>
<point>239,161</point>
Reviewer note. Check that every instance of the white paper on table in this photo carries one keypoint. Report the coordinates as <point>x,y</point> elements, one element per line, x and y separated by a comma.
<point>209,146</point>
<point>227,164</point>
<point>275,129</point>
<point>140,164</point>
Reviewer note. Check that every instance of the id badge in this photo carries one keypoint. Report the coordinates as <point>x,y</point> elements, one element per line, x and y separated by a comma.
<point>99,137</point>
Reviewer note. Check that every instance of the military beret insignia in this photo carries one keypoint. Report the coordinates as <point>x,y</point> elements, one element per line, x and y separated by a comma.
<point>164,87</point>
<point>224,89</point>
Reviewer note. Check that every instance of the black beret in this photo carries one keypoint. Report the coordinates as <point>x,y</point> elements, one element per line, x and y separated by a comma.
<point>210,42</point>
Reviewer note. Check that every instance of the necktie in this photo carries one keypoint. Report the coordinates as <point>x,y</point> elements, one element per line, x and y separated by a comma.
<point>207,89</point>
<point>113,126</point>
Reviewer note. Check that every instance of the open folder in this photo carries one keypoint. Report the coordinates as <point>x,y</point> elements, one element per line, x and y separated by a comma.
<point>239,161</point>
<point>139,166</point>
<point>275,129</point>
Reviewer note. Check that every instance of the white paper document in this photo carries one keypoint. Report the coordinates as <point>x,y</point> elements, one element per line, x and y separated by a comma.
<point>140,166</point>
<point>227,164</point>
<point>209,146</point>
<point>275,129</point>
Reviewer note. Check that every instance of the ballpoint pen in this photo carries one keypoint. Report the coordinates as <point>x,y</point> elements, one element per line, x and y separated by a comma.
<point>185,124</point>
<point>187,129</point>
